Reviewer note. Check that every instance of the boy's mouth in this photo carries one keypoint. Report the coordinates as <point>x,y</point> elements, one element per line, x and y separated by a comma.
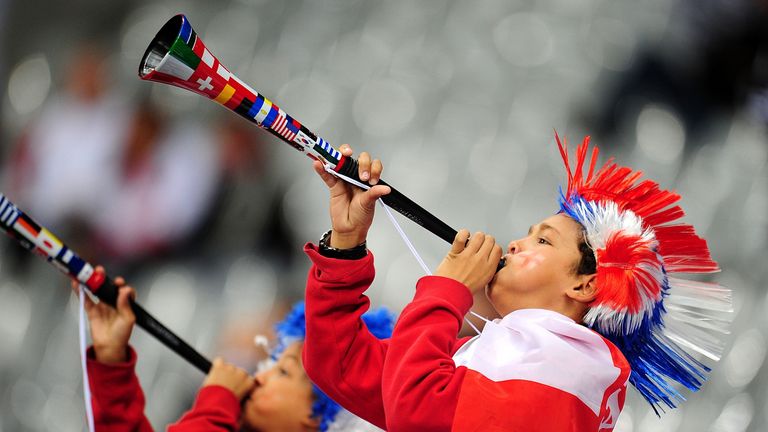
<point>502,263</point>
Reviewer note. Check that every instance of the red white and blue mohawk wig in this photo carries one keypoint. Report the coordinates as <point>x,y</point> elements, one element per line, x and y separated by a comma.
<point>664,326</point>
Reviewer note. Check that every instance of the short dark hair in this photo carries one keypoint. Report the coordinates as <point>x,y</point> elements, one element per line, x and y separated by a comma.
<point>587,264</point>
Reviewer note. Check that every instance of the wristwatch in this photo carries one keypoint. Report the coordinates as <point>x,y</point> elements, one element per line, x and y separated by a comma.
<point>326,250</point>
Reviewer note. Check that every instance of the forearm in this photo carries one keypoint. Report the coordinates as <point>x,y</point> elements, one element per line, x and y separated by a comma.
<point>421,383</point>
<point>118,401</point>
<point>340,355</point>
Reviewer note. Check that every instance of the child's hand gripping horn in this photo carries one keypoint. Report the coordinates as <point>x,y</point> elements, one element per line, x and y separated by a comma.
<point>42,242</point>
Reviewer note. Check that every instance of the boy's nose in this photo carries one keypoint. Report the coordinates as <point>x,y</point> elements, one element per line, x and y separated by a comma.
<point>260,378</point>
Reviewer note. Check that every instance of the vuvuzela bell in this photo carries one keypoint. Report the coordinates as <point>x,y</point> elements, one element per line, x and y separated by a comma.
<point>178,56</point>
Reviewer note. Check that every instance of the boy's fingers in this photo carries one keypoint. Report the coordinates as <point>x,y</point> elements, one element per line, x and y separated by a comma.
<point>329,179</point>
<point>364,166</point>
<point>251,385</point>
<point>76,287</point>
<point>100,269</point>
<point>346,149</point>
<point>475,242</point>
<point>460,241</point>
<point>376,168</point>
<point>123,301</point>
<point>88,301</point>
<point>488,243</point>
<point>496,253</point>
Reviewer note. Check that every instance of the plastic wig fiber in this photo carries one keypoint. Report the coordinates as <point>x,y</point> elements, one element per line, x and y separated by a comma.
<point>660,323</point>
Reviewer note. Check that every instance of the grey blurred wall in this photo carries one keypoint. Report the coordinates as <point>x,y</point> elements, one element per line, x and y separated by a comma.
<point>459,99</point>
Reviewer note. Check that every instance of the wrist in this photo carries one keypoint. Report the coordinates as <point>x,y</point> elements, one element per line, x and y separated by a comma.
<point>346,240</point>
<point>111,354</point>
<point>358,250</point>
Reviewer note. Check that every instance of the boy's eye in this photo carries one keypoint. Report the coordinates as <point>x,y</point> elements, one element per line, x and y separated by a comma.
<point>283,371</point>
<point>542,240</point>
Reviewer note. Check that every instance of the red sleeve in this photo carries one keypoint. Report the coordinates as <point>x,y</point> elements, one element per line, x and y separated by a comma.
<point>421,383</point>
<point>340,355</point>
<point>216,409</point>
<point>118,402</point>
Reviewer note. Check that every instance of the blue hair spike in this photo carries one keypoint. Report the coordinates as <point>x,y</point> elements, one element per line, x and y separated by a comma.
<point>324,408</point>
<point>380,322</point>
<point>293,328</point>
<point>654,362</point>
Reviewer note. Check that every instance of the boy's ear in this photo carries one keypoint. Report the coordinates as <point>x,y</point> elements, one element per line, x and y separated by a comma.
<point>585,291</point>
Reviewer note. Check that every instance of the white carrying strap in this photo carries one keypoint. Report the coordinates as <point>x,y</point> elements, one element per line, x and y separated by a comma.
<point>83,360</point>
<point>400,231</point>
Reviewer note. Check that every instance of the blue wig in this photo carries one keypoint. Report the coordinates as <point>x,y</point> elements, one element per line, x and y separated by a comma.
<point>293,328</point>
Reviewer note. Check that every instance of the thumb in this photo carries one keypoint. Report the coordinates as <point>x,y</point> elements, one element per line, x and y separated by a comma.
<point>368,199</point>
<point>250,384</point>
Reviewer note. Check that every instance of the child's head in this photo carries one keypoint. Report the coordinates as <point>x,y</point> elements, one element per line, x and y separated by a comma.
<point>284,398</point>
<point>550,268</point>
<point>606,260</point>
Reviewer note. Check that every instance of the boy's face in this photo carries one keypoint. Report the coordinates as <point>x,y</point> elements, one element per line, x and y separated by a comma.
<point>539,268</point>
<point>283,397</point>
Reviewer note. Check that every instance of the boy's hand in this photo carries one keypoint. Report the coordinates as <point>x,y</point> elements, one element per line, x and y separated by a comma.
<point>472,263</point>
<point>231,377</point>
<point>110,327</point>
<point>352,208</point>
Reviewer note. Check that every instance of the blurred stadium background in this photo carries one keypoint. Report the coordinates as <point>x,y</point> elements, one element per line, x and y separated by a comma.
<point>206,216</point>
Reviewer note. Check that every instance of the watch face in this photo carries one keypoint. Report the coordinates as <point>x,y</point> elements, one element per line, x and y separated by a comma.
<point>324,240</point>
